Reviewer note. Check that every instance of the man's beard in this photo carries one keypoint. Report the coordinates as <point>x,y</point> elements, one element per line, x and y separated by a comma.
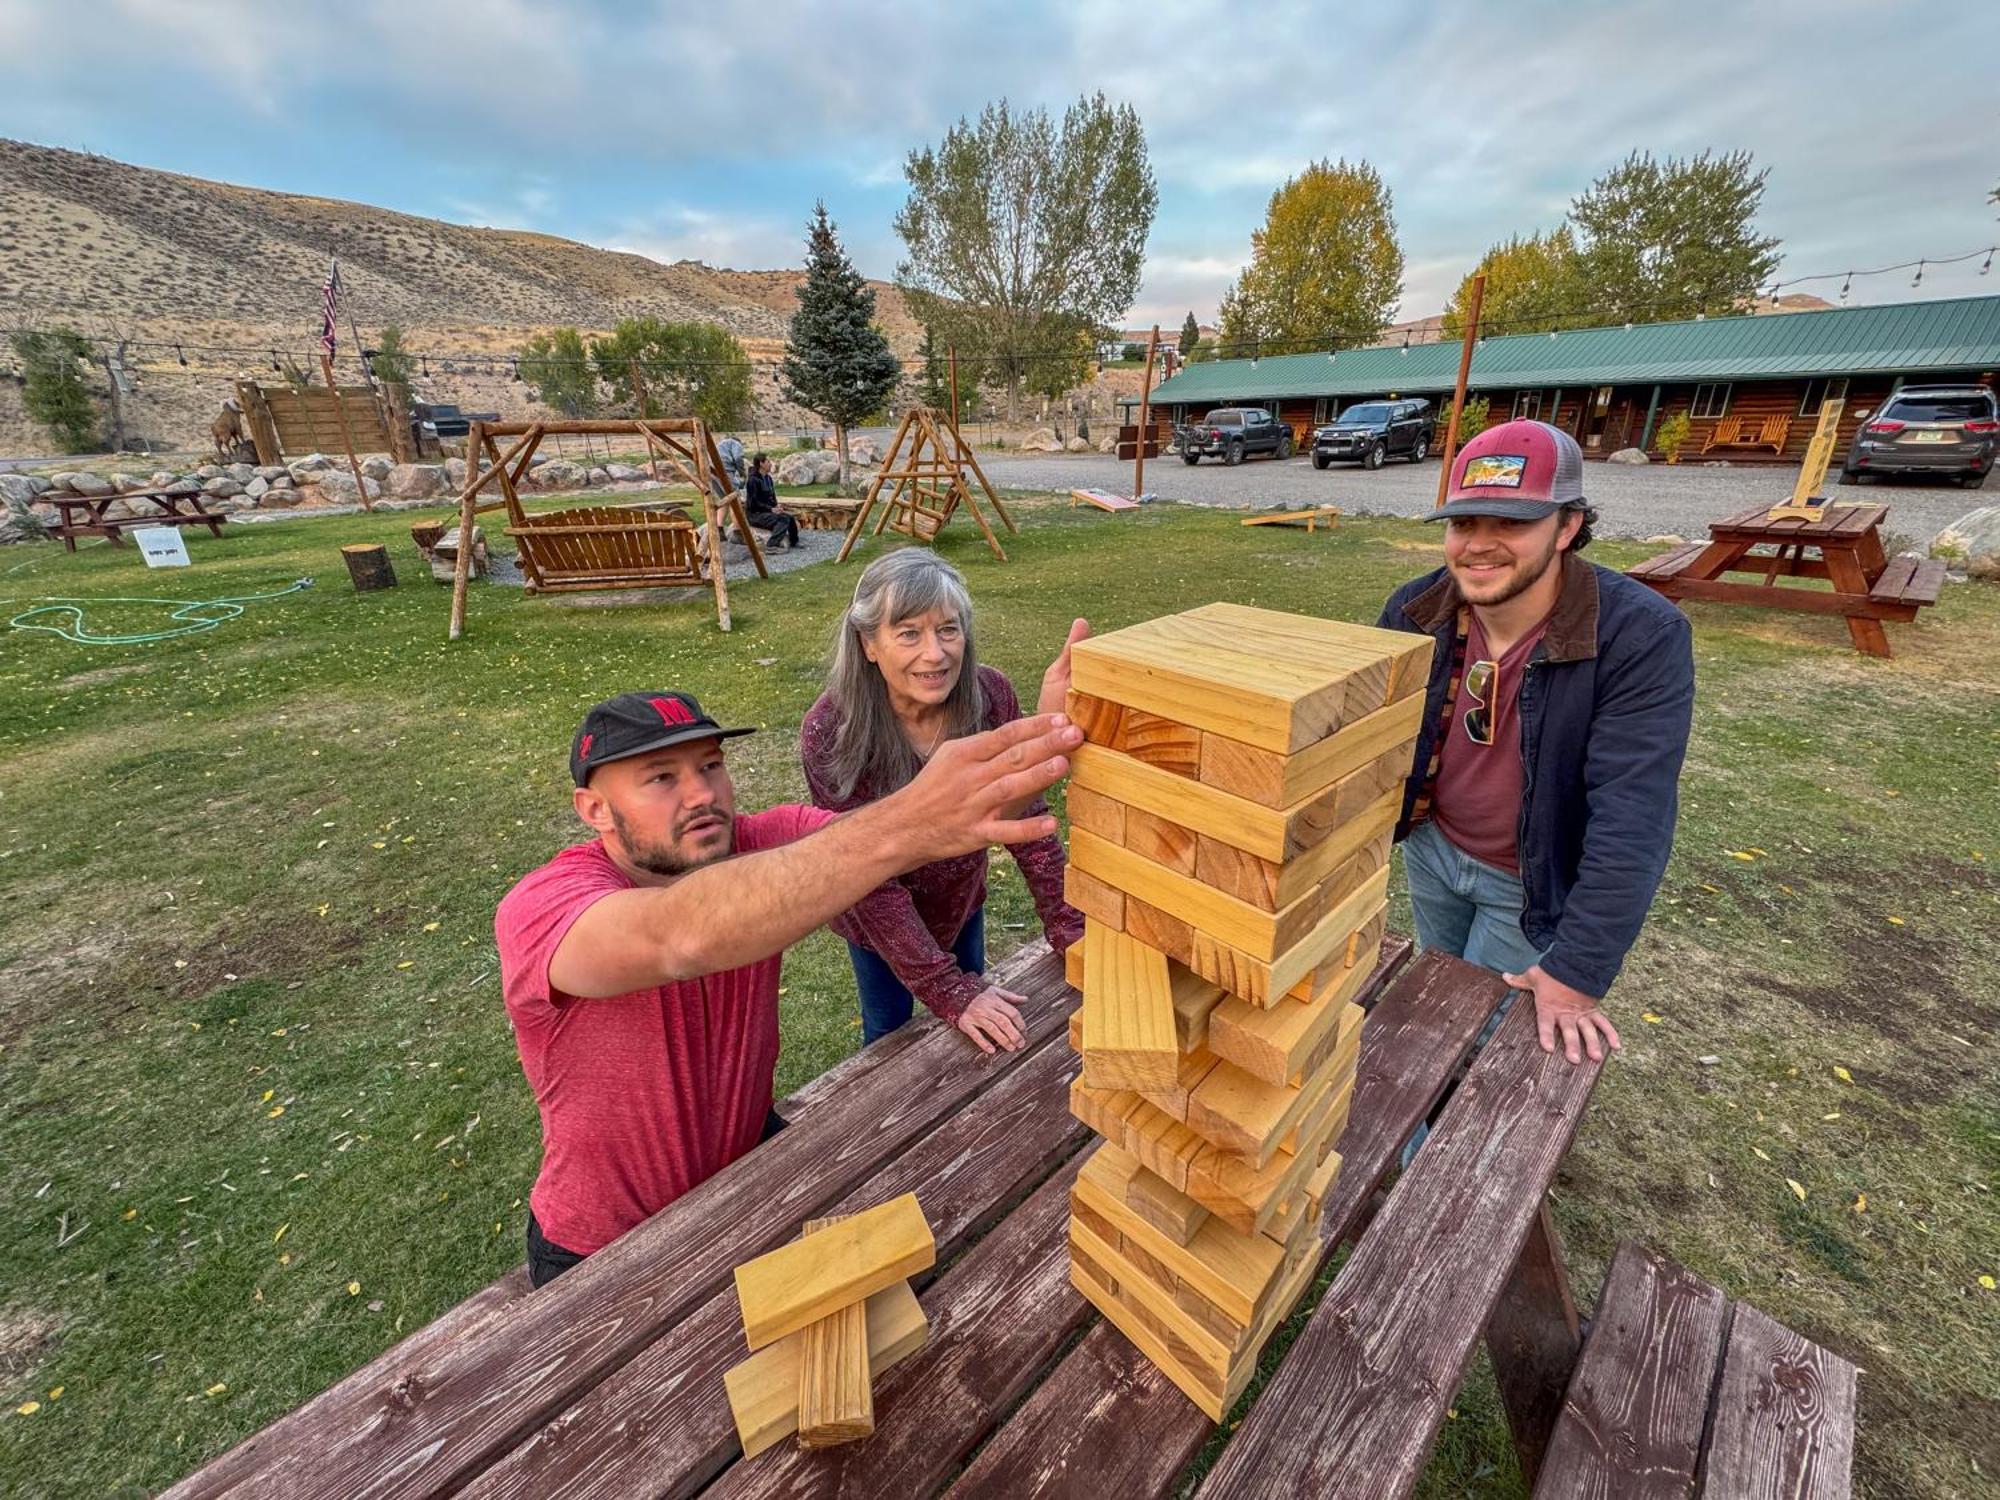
<point>1526,576</point>
<point>664,857</point>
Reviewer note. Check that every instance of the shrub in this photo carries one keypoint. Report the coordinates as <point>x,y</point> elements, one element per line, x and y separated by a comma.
<point>1669,436</point>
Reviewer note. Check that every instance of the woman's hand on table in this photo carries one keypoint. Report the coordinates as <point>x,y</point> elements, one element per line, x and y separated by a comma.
<point>992,1021</point>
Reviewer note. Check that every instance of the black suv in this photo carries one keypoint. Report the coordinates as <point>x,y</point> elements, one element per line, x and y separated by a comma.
<point>1232,433</point>
<point>1373,431</point>
<point>1929,429</point>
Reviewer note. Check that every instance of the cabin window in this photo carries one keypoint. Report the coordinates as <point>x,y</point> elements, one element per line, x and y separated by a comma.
<point>1709,401</point>
<point>1817,393</point>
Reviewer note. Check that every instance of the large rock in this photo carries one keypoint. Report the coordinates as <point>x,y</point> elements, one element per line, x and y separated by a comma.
<point>160,478</point>
<point>127,482</point>
<point>1042,440</point>
<point>87,484</point>
<point>375,466</point>
<point>454,473</point>
<point>338,488</point>
<point>18,489</point>
<point>864,450</point>
<point>187,486</point>
<point>312,463</point>
<point>1972,542</point>
<point>273,472</point>
<point>1077,445</point>
<point>223,487</point>
<point>562,474</point>
<point>598,476</point>
<point>19,523</point>
<point>1108,443</point>
<point>285,499</point>
<point>257,488</point>
<point>1629,456</point>
<point>624,473</point>
<point>415,481</point>
<point>241,473</point>
<point>444,555</point>
<point>820,466</point>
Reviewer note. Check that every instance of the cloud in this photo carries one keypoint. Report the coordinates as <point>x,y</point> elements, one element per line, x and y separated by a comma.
<point>717,239</point>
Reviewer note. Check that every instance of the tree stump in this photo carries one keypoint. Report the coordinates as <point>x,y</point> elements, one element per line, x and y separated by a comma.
<point>426,535</point>
<point>368,565</point>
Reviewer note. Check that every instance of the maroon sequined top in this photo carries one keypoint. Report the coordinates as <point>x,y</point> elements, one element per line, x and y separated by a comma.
<point>914,936</point>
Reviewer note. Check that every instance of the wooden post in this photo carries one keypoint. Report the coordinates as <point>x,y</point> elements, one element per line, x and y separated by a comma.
<point>953,351</point>
<point>1533,1338</point>
<point>467,506</point>
<point>1464,371</point>
<point>346,436</point>
<point>1145,415</point>
<point>639,395</point>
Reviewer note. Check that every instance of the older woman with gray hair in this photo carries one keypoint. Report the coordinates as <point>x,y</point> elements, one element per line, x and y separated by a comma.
<point>905,679</point>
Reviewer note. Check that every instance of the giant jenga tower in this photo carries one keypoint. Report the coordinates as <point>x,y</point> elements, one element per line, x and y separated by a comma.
<point>1230,819</point>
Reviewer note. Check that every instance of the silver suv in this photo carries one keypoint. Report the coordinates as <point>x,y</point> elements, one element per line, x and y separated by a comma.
<point>1929,429</point>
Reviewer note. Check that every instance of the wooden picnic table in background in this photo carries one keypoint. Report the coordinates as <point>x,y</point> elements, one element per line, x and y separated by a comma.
<point>1867,587</point>
<point>608,1381</point>
<point>168,510</point>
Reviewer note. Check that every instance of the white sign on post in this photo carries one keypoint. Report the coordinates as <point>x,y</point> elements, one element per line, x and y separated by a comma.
<point>162,546</point>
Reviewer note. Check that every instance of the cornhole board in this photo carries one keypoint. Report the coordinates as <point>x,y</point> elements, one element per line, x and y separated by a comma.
<point>1104,500</point>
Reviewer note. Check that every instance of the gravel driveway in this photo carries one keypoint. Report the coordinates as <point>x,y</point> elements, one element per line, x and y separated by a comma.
<point>1634,501</point>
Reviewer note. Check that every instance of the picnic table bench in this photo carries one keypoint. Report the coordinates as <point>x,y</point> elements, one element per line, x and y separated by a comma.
<point>608,1381</point>
<point>821,514</point>
<point>1749,432</point>
<point>1868,588</point>
<point>168,510</point>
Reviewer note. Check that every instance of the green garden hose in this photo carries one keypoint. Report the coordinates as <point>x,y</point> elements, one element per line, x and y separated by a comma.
<point>195,616</point>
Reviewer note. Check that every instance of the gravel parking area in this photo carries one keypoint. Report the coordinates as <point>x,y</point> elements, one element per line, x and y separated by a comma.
<point>1633,501</point>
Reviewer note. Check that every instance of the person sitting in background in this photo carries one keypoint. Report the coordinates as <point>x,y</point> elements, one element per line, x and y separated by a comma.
<point>906,681</point>
<point>760,504</point>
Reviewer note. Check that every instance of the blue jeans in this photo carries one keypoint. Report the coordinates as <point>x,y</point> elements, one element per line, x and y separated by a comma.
<point>1471,910</point>
<point>885,1004</point>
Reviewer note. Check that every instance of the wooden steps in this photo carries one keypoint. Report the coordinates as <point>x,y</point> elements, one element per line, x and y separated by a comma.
<point>1230,811</point>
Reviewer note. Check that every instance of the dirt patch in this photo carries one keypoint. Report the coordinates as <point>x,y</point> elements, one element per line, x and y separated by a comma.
<point>99,675</point>
<point>28,1336</point>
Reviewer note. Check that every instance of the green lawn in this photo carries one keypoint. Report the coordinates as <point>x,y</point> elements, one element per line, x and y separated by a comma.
<point>254,1065</point>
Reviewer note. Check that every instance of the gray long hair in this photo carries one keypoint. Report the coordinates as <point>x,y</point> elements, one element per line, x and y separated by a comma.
<point>869,748</point>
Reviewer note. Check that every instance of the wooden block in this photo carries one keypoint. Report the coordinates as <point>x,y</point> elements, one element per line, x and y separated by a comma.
<point>836,1397</point>
<point>1235,820</point>
<point>1129,1039</point>
<point>1244,1114</point>
<point>1273,680</point>
<point>1264,982</point>
<point>1260,934</point>
<point>1198,1345</point>
<point>1273,1044</point>
<point>1353,851</point>
<point>1166,1208</point>
<point>1144,736</point>
<point>1234,1271</point>
<point>1073,968</point>
<point>1099,902</point>
<point>1195,1000</point>
<point>1156,929</point>
<point>796,1284</point>
<point>1246,1198</point>
<point>1165,843</point>
<point>764,1389</point>
<point>1096,812</point>
<point>1276,780</point>
<point>1194,1067</point>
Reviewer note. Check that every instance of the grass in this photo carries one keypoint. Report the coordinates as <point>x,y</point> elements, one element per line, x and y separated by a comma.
<point>255,1067</point>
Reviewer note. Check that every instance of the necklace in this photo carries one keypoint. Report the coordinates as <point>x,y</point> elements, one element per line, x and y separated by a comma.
<point>936,740</point>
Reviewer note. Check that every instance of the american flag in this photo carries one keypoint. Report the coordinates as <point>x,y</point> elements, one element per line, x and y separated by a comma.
<point>329,307</point>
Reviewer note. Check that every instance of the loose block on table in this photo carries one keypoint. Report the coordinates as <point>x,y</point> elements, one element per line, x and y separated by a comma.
<point>796,1284</point>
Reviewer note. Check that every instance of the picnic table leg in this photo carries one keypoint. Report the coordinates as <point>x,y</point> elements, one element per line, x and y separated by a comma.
<point>1533,1338</point>
<point>1844,571</point>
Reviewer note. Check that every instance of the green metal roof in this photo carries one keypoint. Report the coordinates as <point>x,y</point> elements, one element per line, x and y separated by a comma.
<point>1904,338</point>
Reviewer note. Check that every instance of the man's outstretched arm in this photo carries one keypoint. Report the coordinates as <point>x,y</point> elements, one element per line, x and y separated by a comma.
<point>741,910</point>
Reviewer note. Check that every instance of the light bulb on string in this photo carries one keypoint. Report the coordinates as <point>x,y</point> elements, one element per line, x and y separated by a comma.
<point>1989,261</point>
<point>1918,279</point>
<point>1844,285</point>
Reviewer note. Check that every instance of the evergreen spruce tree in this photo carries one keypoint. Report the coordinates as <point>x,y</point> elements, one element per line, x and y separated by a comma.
<point>837,363</point>
<point>1190,336</point>
<point>53,390</point>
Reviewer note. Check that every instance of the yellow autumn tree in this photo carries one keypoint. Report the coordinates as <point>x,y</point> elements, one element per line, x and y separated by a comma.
<point>1325,270</point>
<point>1533,284</point>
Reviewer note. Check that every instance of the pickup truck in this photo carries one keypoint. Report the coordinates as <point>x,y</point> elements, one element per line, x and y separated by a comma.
<point>1231,433</point>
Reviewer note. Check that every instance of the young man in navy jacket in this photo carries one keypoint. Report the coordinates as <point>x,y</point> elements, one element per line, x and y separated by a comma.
<point>1539,813</point>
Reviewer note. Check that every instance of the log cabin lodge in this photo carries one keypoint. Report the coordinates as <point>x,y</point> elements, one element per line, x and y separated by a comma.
<point>1751,386</point>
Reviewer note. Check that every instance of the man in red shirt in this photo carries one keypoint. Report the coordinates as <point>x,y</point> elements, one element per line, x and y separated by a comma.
<point>640,969</point>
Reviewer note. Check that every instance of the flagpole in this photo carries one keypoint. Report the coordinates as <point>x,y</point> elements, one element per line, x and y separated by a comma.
<point>329,298</point>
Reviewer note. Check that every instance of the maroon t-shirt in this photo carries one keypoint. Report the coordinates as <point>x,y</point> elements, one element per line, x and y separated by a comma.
<point>644,1095</point>
<point>1478,800</point>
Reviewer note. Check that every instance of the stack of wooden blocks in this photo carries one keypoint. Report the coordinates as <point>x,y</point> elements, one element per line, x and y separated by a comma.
<point>1230,813</point>
<point>824,1316</point>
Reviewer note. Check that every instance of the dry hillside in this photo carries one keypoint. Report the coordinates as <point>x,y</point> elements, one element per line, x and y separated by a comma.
<point>155,256</point>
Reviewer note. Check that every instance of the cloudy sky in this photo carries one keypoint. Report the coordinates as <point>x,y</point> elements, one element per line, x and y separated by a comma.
<point>706,131</point>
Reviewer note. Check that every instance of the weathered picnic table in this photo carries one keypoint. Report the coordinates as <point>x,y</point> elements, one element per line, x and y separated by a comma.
<point>608,1382</point>
<point>168,509</point>
<point>1868,587</point>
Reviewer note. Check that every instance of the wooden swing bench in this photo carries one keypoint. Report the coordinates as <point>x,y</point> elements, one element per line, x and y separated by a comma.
<point>604,546</point>
<point>923,481</point>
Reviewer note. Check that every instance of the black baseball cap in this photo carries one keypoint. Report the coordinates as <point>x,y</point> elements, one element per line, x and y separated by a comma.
<point>635,723</point>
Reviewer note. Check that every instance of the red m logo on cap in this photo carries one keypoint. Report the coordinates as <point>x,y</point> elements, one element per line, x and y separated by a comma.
<point>671,711</point>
